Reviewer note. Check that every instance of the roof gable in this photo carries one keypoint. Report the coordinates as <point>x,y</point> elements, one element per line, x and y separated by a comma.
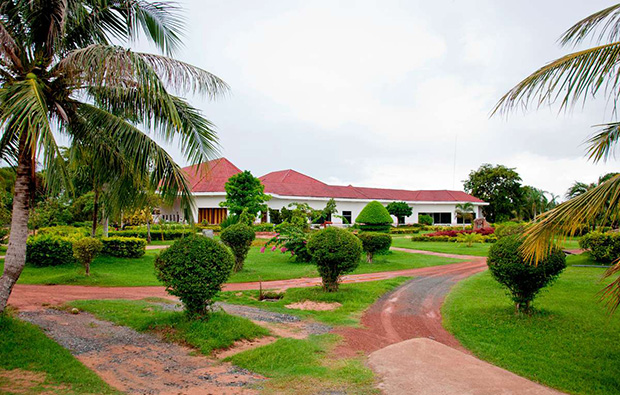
<point>210,176</point>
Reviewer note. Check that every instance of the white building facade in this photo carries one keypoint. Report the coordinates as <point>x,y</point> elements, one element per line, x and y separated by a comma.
<point>288,186</point>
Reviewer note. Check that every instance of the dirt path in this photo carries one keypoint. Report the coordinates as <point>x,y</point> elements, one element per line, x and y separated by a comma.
<point>410,311</point>
<point>139,363</point>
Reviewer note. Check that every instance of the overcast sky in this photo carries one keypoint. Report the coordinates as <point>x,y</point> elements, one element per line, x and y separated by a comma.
<point>385,93</point>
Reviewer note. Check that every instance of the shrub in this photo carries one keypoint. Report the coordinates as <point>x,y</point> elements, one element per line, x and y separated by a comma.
<point>228,221</point>
<point>374,218</point>
<point>47,250</point>
<point>604,247</point>
<point>194,269</point>
<point>373,243</point>
<point>523,280</point>
<point>169,234</point>
<point>425,219</point>
<point>85,250</point>
<point>239,238</point>
<point>335,252</point>
<point>291,238</point>
<point>65,231</point>
<point>266,227</point>
<point>509,228</point>
<point>470,238</point>
<point>124,247</point>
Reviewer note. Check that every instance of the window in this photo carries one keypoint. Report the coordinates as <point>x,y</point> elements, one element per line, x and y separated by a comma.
<point>439,218</point>
<point>346,215</point>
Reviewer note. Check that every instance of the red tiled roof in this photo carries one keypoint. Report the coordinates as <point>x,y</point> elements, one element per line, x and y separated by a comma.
<point>292,183</point>
<point>210,176</point>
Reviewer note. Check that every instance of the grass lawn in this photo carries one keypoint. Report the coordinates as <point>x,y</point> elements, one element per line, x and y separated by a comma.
<point>220,331</point>
<point>478,249</point>
<point>124,272</point>
<point>25,347</point>
<point>355,298</point>
<point>306,367</point>
<point>571,343</point>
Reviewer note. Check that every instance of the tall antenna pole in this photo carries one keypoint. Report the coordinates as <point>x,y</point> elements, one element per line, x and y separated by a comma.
<point>454,165</point>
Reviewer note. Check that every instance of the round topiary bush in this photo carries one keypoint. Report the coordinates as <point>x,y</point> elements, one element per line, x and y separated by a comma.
<point>523,280</point>
<point>373,243</point>
<point>335,252</point>
<point>85,250</point>
<point>239,238</point>
<point>194,269</point>
<point>374,218</point>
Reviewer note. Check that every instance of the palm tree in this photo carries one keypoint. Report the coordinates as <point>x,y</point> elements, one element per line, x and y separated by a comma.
<point>60,74</point>
<point>464,211</point>
<point>570,80</point>
<point>579,188</point>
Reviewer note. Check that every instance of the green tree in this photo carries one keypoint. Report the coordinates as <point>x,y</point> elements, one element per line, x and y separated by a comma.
<point>400,210</point>
<point>534,203</point>
<point>571,80</point>
<point>244,191</point>
<point>374,217</point>
<point>464,211</point>
<point>60,73</point>
<point>579,188</point>
<point>497,185</point>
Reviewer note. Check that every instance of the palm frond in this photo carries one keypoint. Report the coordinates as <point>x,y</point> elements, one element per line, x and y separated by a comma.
<point>611,293</point>
<point>608,20</point>
<point>601,145</point>
<point>9,48</point>
<point>570,79</point>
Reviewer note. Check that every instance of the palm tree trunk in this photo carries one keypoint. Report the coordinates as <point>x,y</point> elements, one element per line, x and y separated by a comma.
<point>95,212</point>
<point>148,232</point>
<point>16,252</point>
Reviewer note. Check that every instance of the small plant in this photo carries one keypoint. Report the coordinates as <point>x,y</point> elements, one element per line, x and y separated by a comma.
<point>425,219</point>
<point>194,269</point>
<point>374,217</point>
<point>85,250</point>
<point>373,243</point>
<point>290,238</point>
<point>469,238</point>
<point>523,280</point>
<point>239,238</point>
<point>335,252</point>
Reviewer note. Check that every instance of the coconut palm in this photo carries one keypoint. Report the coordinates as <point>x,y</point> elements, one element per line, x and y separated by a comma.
<point>464,211</point>
<point>570,80</point>
<point>61,75</point>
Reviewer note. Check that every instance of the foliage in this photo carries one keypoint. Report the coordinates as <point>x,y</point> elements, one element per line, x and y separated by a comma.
<point>71,232</point>
<point>85,250</point>
<point>194,269</point>
<point>238,238</point>
<point>464,211</point>
<point>335,252</point>
<point>50,212</point>
<point>400,210</point>
<point>374,217</point>
<point>169,234</point>
<point>47,250</point>
<point>470,238</point>
<point>324,215</point>
<point>244,191</point>
<point>124,247</point>
<point>373,243</point>
<point>290,238</point>
<point>509,228</point>
<point>425,219</point>
<point>274,216</point>
<point>535,202</point>
<point>523,281</point>
<point>604,247</point>
<point>499,186</point>
<point>228,221</point>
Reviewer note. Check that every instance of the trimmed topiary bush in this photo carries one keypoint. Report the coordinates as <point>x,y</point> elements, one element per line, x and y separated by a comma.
<point>85,250</point>
<point>194,269</point>
<point>374,218</point>
<point>523,280</point>
<point>604,247</point>
<point>48,250</point>
<point>238,238</point>
<point>124,247</point>
<point>335,252</point>
<point>425,219</point>
<point>373,243</point>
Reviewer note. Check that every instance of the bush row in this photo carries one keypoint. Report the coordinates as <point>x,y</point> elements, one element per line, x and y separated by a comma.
<point>172,234</point>
<point>455,233</point>
<point>49,250</point>
<point>485,238</point>
<point>604,247</point>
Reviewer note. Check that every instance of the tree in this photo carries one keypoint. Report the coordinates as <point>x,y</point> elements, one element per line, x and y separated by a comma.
<point>497,185</point>
<point>572,79</point>
<point>579,188</point>
<point>60,74</point>
<point>464,211</point>
<point>244,191</point>
<point>400,210</point>
<point>374,217</point>
<point>534,202</point>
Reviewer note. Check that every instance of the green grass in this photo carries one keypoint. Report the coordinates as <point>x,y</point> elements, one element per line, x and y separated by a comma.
<point>125,272</point>
<point>306,367</point>
<point>446,247</point>
<point>24,346</point>
<point>570,343</point>
<point>221,330</point>
<point>355,298</point>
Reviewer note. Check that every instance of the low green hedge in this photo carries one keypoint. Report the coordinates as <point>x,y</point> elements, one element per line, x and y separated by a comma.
<point>486,239</point>
<point>124,247</point>
<point>48,250</point>
<point>172,234</point>
<point>604,247</point>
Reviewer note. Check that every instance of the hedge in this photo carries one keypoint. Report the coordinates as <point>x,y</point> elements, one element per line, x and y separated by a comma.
<point>604,247</point>
<point>49,250</point>
<point>124,247</point>
<point>172,234</point>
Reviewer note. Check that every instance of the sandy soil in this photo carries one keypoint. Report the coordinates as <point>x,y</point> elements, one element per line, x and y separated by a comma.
<point>314,306</point>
